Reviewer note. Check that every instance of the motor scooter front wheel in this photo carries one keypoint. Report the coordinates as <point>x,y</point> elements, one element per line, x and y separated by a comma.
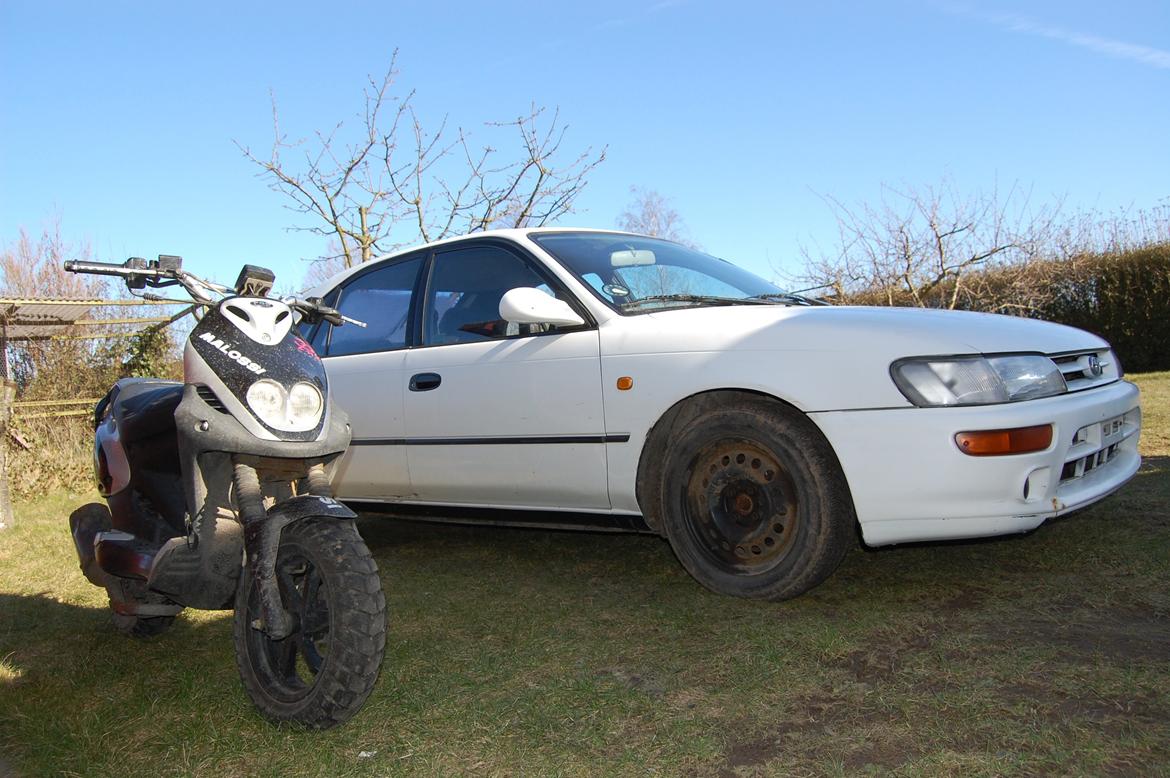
<point>321,674</point>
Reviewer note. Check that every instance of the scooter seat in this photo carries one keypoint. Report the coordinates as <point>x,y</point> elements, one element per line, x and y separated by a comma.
<point>145,408</point>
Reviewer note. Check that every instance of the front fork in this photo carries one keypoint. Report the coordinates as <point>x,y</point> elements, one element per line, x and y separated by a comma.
<point>262,530</point>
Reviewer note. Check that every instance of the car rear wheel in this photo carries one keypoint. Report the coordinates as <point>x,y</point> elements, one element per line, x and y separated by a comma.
<point>753,500</point>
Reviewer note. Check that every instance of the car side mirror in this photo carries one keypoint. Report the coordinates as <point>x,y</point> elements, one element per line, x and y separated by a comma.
<point>526,305</point>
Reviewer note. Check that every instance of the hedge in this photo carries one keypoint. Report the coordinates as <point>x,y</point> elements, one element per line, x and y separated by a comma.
<point>1124,298</point>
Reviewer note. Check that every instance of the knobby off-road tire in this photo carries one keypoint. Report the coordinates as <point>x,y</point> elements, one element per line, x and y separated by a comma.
<point>754,503</point>
<point>321,674</point>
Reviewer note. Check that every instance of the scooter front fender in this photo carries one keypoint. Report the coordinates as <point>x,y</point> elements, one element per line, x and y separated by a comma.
<point>306,505</point>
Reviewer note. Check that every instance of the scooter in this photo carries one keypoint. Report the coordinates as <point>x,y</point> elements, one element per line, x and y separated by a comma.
<point>219,497</point>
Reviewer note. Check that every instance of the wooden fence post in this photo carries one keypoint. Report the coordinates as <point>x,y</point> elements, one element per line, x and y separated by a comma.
<point>7,396</point>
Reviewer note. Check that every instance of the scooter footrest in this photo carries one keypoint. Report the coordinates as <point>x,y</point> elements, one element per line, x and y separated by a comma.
<point>124,555</point>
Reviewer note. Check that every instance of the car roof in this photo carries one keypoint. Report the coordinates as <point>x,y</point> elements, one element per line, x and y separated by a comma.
<point>514,233</point>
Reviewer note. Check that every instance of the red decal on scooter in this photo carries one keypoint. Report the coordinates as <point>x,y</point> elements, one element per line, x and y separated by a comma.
<point>304,347</point>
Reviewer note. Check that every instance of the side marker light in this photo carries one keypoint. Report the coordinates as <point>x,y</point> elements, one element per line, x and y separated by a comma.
<point>992,443</point>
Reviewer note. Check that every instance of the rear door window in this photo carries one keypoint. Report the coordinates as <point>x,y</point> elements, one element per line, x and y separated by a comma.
<point>380,298</point>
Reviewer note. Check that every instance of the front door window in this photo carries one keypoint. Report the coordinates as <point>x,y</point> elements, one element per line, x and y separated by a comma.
<point>463,297</point>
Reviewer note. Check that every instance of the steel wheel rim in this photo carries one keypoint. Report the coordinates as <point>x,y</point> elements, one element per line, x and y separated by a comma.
<point>741,506</point>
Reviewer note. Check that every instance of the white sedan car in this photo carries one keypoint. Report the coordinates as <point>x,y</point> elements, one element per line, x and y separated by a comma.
<point>593,372</point>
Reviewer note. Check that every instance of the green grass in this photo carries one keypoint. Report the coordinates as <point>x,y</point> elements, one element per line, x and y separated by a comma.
<point>542,653</point>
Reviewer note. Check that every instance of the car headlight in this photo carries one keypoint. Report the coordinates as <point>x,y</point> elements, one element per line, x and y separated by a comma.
<point>294,410</point>
<point>940,381</point>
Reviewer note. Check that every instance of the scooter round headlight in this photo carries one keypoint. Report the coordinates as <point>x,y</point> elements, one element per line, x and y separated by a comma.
<point>304,404</point>
<point>267,399</point>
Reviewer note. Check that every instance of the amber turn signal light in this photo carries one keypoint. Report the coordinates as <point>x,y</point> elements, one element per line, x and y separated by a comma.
<point>992,443</point>
<point>625,383</point>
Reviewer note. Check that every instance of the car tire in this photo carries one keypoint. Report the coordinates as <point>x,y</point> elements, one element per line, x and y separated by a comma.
<point>753,500</point>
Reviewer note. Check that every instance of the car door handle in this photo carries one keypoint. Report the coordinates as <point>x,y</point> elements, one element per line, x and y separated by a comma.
<point>424,382</point>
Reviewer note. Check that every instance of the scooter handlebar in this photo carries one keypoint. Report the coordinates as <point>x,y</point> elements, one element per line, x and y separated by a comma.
<point>315,310</point>
<point>103,268</point>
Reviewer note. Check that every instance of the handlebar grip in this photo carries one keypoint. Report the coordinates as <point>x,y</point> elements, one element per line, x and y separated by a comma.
<point>95,268</point>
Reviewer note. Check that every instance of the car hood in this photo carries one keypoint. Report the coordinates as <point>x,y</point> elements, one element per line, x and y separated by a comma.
<point>818,358</point>
<point>892,332</point>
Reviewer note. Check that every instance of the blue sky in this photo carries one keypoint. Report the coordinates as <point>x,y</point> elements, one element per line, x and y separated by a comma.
<point>120,117</point>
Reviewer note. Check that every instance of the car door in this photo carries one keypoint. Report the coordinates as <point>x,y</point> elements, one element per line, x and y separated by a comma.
<point>365,368</point>
<point>500,414</point>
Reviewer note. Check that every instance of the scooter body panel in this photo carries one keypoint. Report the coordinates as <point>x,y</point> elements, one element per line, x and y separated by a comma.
<point>164,450</point>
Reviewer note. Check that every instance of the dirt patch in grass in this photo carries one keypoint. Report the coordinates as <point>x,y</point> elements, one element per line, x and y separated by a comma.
<point>1112,715</point>
<point>886,756</point>
<point>868,742</point>
<point>642,682</point>
<point>1128,633</point>
<point>966,600</point>
<point>752,753</point>
<point>942,693</point>
<point>882,662</point>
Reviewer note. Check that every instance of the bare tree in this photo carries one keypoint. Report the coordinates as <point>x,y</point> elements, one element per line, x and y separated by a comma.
<point>394,183</point>
<point>76,365</point>
<point>323,268</point>
<point>649,213</point>
<point>927,247</point>
<point>33,267</point>
<point>52,452</point>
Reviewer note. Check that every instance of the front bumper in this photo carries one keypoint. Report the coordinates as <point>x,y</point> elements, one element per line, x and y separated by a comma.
<point>910,482</point>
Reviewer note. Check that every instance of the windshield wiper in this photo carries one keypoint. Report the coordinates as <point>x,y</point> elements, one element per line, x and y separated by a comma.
<point>787,297</point>
<point>693,298</point>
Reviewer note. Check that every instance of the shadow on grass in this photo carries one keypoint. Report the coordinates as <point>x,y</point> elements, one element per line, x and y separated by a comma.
<point>40,636</point>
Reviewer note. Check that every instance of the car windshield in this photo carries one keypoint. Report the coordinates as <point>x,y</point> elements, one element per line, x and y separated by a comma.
<point>635,274</point>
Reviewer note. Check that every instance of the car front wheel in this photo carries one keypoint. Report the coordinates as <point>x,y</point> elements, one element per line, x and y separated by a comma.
<point>753,500</point>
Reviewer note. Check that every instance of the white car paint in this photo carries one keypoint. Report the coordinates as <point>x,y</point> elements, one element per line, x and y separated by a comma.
<point>527,388</point>
<point>908,480</point>
<point>370,387</point>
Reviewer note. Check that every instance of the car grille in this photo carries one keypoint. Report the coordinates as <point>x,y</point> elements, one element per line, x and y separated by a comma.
<point>1096,445</point>
<point>1076,367</point>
